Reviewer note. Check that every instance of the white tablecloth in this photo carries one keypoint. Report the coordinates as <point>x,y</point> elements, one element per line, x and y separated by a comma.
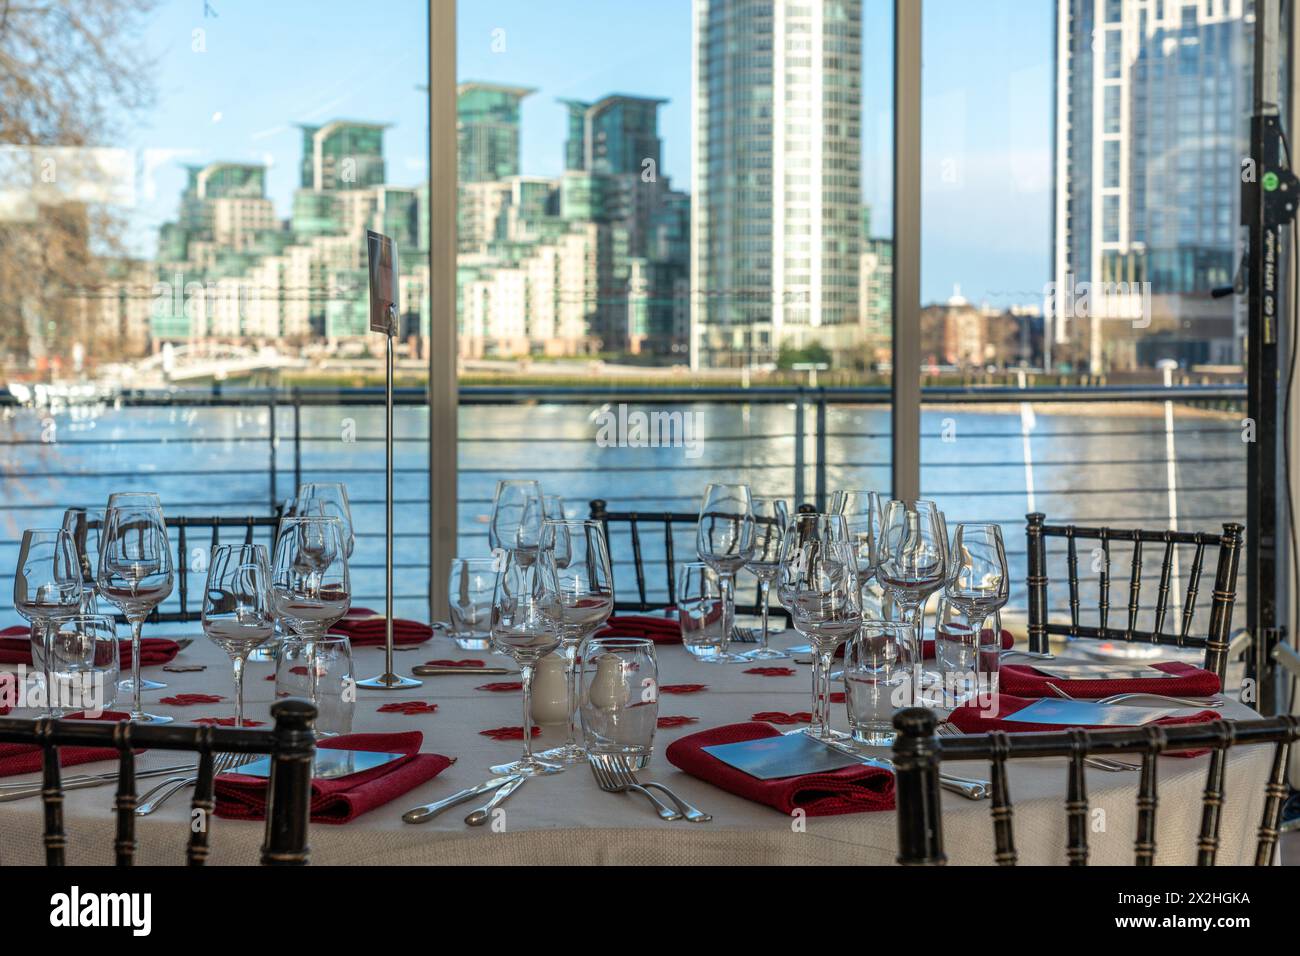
<point>565,819</point>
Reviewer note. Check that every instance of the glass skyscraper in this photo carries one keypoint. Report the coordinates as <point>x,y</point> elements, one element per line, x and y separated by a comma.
<point>1153,107</point>
<point>776,189</point>
<point>487,131</point>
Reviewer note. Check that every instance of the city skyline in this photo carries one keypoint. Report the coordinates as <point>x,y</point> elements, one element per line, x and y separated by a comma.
<point>987,176</point>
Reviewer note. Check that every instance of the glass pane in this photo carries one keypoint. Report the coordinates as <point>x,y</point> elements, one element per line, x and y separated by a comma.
<point>668,225</point>
<point>184,302</point>
<point>1078,251</point>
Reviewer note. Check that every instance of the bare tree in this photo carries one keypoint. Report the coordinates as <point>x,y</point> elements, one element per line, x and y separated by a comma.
<point>72,74</point>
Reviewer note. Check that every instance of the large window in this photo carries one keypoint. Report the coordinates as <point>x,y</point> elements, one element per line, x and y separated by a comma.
<point>182,287</point>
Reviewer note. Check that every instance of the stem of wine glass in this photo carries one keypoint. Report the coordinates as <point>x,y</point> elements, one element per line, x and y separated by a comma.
<point>816,681</point>
<point>821,702</point>
<point>764,585</point>
<point>727,584</point>
<point>526,678</point>
<point>238,664</point>
<point>571,692</point>
<point>137,711</point>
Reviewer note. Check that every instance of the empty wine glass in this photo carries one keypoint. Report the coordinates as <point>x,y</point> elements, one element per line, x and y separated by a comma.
<point>237,607</point>
<point>47,590</point>
<point>333,496</point>
<point>576,572</point>
<point>818,581</point>
<point>770,519</point>
<point>135,574</point>
<point>508,506</point>
<point>85,524</point>
<point>724,538</point>
<point>524,628</point>
<point>536,511</point>
<point>978,586</point>
<point>863,516</point>
<point>310,582</point>
<point>913,562</point>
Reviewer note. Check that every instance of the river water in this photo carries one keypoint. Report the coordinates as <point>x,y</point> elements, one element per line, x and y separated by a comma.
<point>1098,465</point>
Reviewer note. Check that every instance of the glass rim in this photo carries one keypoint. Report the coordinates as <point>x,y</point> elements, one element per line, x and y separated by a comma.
<point>53,531</point>
<point>626,642</point>
<point>323,639</point>
<point>88,617</point>
<point>474,559</point>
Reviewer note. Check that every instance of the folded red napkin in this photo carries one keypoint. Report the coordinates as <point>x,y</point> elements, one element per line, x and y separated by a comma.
<point>848,790</point>
<point>29,758</point>
<point>369,631</point>
<point>1022,680</point>
<point>153,650</point>
<point>972,719</point>
<point>342,799</point>
<point>661,630</point>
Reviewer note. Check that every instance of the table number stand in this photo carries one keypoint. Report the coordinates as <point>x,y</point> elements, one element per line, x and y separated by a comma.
<point>382,254</point>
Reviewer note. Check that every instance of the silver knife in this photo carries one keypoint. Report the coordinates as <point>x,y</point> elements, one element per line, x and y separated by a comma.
<point>483,814</point>
<point>83,783</point>
<point>430,810</point>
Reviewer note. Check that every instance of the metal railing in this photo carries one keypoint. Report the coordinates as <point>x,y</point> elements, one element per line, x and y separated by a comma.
<point>1098,455</point>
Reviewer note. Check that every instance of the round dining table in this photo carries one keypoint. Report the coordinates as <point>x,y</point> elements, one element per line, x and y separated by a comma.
<point>565,818</point>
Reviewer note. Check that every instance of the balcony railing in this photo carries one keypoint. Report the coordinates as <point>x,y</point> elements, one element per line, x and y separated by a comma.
<point>1120,456</point>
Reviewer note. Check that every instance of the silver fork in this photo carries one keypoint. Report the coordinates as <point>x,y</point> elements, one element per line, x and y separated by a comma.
<point>169,788</point>
<point>605,779</point>
<point>1212,702</point>
<point>624,774</point>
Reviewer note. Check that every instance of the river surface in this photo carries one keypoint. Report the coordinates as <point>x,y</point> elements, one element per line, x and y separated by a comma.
<point>1102,465</point>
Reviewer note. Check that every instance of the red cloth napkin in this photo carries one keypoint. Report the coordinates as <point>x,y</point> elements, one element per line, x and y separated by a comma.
<point>28,758</point>
<point>972,719</point>
<point>848,790</point>
<point>153,650</point>
<point>661,630</point>
<point>369,631</point>
<point>342,799</point>
<point>1022,680</point>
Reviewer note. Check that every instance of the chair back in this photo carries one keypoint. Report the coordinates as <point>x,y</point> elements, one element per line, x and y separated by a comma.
<point>203,534</point>
<point>1226,546</point>
<point>290,743</point>
<point>650,542</point>
<point>918,755</point>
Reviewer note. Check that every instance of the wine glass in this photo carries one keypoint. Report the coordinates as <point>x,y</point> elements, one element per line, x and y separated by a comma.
<point>818,580</point>
<point>508,506</point>
<point>978,586</point>
<point>135,574</point>
<point>913,562</point>
<point>770,519</point>
<point>333,496</point>
<point>724,538</point>
<point>47,590</point>
<point>863,516</point>
<point>536,511</point>
<point>524,628</point>
<point>85,525</point>
<point>237,608</point>
<point>310,583</point>
<point>576,572</point>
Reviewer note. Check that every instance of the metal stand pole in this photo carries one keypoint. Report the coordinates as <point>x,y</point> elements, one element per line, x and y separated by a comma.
<point>388,679</point>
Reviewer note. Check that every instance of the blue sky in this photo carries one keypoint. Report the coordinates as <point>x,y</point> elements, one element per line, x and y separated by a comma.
<point>265,67</point>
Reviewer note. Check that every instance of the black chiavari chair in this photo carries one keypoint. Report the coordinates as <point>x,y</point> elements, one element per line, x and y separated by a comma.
<point>290,743</point>
<point>186,532</point>
<point>659,527</point>
<point>1215,640</point>
<point>918,754</point>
